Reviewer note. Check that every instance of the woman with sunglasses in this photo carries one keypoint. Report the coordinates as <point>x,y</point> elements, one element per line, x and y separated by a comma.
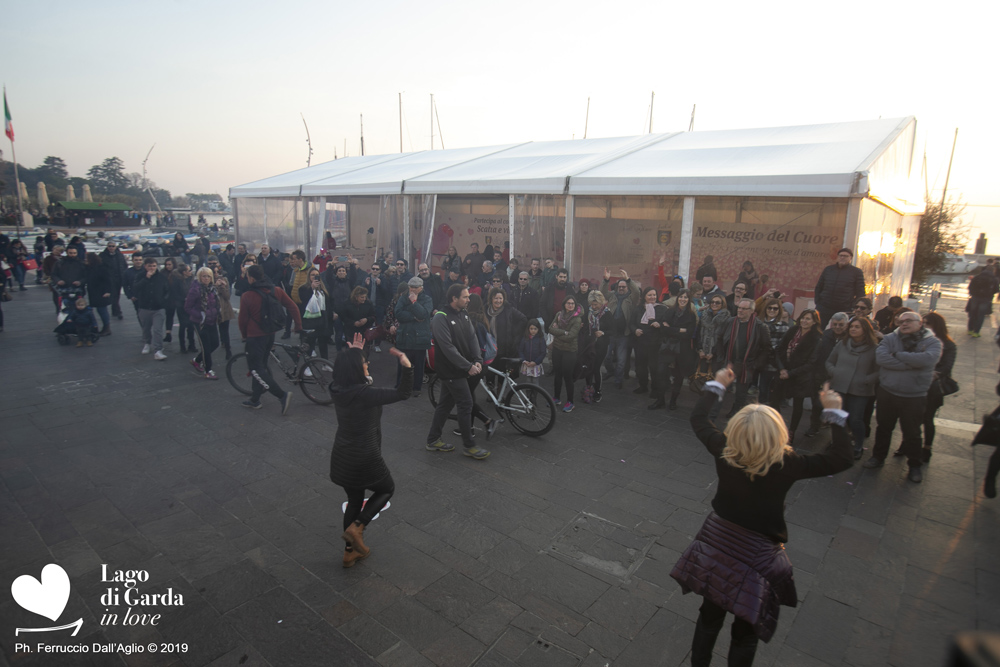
<point>712,322</point>
<point>797,357</point>
<point>777,323</point>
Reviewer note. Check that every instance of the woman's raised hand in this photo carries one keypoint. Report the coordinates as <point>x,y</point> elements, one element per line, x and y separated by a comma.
<point>358,342</point>
<point>829,398</point>
<point>725,376</point>
<point>404,361</point>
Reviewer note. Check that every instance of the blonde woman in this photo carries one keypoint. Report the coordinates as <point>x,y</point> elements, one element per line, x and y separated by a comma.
<point>737,562</point>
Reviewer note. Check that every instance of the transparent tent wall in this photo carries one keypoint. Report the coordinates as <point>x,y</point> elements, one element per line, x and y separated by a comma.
<point>788,241</point>
<point>540,229</point>
<point>630,233</point>
<point>462,221</point>
<point>375,226</point>
<point>279,222</point>
<point>882,245</point>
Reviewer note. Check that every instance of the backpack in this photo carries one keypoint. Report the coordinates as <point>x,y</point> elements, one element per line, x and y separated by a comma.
<point>272,313</point>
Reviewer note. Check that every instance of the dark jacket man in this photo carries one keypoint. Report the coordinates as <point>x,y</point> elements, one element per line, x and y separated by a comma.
<point>69,270</point>
<point>524,298</point>
<point>839,286</point>
<point>272,266</point>
<point>456,347</point>
<point>151,293</point>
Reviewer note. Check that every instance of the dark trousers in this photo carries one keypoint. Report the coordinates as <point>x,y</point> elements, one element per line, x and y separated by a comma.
<point>381,493</point>
<point>116,295</point>
<point>909,412</point>
<point>594,377</point>
<point>672,370</point>
<point>646,352</point>
<point>935,399</point>
<point>855,407</point>
<point>454,393</point>
<point>477,410</point>
<point>764,380</point>
<point>258,349</point>
<point>798,405</point>
<point>318,338</point>
<point>209,336</point>
<point>169,324</point>
<point>563,367</point>
<point>743,643</point>
<point>978,310</point>
<point>185,328</point>
<point>224,336</point>
<point>618,348</point>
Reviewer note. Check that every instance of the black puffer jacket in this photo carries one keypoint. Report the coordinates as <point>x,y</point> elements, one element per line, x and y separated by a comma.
<point>839,287</point>
<point>99,283</point>
<point>803,364</point>
<point>356,460</point>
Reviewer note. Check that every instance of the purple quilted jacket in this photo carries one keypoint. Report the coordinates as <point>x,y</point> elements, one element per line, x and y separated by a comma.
<point>744,572</point>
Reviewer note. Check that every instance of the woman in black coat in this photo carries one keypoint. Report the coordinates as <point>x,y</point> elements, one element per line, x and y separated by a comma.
<point>98,278</point>
<point>317,315</point>
<point>797,359</point>
<point>677,356</point>
<point>180,285</point>
<point>647,327</point>
<point>356,461</point>
<point>506,323</point>
<point>358,315</point>
<point>737,562</point>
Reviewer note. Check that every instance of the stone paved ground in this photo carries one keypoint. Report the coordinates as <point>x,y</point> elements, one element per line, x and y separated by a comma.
<point>555,551</point>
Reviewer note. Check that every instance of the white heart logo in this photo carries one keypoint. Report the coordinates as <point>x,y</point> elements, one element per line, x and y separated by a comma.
<point>47,598</point>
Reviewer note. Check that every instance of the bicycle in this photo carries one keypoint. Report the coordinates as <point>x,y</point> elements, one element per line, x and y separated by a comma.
<point>527,407</point>
<point>312,374</point>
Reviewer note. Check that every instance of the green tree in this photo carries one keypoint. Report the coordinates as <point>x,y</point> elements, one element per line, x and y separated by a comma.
<point>941,233</point>
<point>109,176</point>
<point>53,170</point>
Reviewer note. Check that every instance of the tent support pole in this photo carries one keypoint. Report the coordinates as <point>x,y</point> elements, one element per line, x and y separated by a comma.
<point>510,225</point>
<point>320,224</point>
<point>568,237</point>
<point>687,236</point>
<point>407,253</point>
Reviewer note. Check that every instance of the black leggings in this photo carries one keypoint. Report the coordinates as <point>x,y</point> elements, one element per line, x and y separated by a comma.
<point>381,493</point>
<point>711,618</point>
<point>563,365</point>
<point>224,335</point>
<point>935,399</point>
<point>185,327</point>
<point>168,325</point>
<point>594,377</point>
<point>318,338</point>
<point>209,336</point>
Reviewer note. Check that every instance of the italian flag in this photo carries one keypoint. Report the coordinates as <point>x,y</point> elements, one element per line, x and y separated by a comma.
<point>8,127</point>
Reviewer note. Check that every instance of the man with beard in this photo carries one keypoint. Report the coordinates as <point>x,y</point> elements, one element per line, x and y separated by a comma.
<point>433,285</point>
<point>112,258</point>
<point>554,295</point>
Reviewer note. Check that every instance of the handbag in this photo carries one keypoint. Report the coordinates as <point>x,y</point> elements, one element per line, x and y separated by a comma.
<point>698,379</point>
<point>373,332</point>
<point>948,385</point>
<point>30,265</point>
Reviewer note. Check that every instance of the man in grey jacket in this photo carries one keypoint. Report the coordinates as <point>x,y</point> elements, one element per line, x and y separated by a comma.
<point>457,357</point>
<point>622,302</point>
<point>906,360</point>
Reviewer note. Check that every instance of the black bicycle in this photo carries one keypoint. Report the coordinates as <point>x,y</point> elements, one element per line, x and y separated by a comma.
<point>312,374</point>
<point>527,407</point>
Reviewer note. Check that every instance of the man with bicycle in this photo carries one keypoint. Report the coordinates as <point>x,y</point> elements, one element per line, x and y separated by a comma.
<point>457,357</point>
<point>259,340</point>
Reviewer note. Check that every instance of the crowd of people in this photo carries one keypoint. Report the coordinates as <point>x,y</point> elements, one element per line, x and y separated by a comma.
<point>850,363</point>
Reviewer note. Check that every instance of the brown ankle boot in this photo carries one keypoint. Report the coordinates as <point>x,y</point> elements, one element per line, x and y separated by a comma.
<point>353,536</point>
<point>353,556</point>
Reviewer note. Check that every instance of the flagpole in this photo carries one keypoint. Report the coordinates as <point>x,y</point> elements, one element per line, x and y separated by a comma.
<point>17,181</point>
<point>17,186</point>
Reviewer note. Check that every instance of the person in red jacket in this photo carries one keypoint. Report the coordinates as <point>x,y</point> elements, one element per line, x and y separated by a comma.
<point>259,342</point>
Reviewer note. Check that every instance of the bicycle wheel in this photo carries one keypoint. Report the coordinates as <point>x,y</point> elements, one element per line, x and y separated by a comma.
<point>315,381</point>
<point>238,373</point>
<point>432,390</point>
<point>530,410</point>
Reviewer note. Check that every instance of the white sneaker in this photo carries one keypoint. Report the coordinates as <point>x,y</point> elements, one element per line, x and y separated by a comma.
<point>159,356</point>
<point>145,348</point>
<point>378,348</point>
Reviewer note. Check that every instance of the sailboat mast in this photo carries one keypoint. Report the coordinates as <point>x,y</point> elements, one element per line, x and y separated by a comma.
<point>586,121</point>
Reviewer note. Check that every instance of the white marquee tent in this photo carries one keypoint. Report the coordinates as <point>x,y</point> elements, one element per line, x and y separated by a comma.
<point>783,199</point>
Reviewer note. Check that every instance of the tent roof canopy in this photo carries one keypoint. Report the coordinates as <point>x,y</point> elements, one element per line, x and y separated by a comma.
<point>828,160</point>
<point>93,206</point>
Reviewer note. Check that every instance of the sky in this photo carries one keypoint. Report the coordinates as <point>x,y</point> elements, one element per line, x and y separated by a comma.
<point>220,88</point>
